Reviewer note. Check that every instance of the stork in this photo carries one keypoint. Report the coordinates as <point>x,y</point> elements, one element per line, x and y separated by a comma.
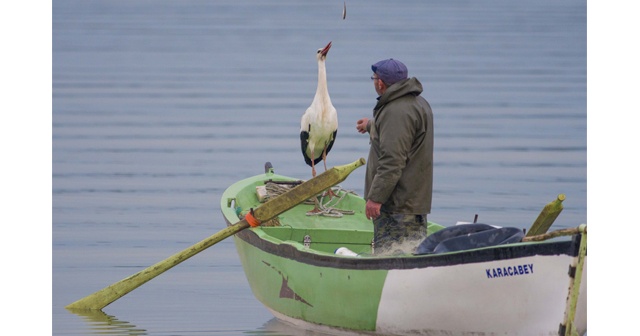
<point>319,124</point>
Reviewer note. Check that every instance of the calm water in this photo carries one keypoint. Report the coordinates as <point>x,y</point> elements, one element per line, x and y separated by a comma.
<point>158,106</point>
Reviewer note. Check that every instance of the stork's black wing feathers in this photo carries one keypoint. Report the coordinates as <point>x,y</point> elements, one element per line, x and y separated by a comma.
<point>304,142</point>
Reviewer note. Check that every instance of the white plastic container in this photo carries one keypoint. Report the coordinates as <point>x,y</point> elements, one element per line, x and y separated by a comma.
<point>345,252</point>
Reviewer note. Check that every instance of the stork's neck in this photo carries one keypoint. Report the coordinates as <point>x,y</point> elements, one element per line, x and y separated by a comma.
<point>322,92</point>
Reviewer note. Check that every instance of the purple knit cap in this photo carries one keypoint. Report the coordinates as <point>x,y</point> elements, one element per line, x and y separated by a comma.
<point>390,71</point>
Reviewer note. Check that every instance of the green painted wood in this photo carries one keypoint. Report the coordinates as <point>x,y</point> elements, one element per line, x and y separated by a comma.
<point>546,217</point>
<point>574,288</point>
<point>344,298</point>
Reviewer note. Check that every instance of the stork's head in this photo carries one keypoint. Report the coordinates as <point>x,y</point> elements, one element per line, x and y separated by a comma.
<point>322,52</point>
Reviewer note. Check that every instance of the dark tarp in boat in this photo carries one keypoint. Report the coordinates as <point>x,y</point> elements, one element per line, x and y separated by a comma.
<point>468,236</point>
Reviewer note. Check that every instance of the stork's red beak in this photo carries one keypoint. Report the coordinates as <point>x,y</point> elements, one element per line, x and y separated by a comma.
<point>326,49</point>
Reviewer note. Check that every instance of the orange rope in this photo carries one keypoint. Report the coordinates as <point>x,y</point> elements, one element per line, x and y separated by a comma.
<point>253,222</point>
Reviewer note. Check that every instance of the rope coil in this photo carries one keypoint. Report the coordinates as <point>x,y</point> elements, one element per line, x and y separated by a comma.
<point>327,208</point>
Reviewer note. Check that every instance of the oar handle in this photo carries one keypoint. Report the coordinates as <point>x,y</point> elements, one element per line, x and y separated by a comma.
<point>265,212</point>
<point>294,196</point>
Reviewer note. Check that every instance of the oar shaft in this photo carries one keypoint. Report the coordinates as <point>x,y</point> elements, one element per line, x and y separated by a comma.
<point>107,295</point>
<point>556,233</point>
<point>265,212</point>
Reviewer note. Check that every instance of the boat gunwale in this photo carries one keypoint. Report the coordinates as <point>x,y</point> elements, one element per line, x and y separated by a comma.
<point>487,254</point>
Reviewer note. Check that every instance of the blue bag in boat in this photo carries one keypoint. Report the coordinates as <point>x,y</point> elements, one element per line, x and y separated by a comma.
<point>468,236</point>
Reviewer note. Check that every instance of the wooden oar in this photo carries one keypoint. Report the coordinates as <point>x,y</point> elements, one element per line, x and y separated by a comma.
<point>265,212</point>
<point>546,217</point>
<point>557,233</point>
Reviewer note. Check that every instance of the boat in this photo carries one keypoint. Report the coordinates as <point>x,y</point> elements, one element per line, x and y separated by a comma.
<point>321,272</point>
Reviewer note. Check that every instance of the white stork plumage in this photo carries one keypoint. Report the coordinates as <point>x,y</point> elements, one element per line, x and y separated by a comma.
<point>319,124</point>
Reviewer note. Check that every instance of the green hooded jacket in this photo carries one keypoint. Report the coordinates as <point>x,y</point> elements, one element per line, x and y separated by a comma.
<point>400,166</point>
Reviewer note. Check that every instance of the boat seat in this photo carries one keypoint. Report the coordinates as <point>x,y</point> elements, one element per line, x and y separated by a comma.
<point>323,239</point>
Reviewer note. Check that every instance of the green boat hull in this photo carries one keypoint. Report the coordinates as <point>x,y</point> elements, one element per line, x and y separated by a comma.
<point>293,270</point>
<point>317,294</point>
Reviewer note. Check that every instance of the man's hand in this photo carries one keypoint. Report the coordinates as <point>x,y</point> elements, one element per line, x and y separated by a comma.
<point>372,209</point>
<point>361,125</point>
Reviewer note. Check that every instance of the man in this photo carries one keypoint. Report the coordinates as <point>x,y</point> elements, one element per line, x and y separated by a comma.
<point>399,175</point>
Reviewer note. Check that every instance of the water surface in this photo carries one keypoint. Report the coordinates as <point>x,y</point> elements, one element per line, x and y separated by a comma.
<point>158,106</point>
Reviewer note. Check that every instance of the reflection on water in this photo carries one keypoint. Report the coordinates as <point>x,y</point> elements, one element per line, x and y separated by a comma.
<point>102,324</point>
<point>275,327</point>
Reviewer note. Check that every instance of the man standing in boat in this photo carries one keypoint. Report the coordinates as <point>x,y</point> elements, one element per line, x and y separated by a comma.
<point>399,177</point>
